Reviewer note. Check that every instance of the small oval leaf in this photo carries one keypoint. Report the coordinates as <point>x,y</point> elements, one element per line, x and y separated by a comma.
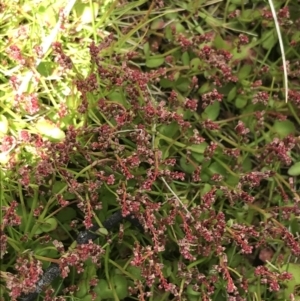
<point>182,84</point>
<point>294,170</point>
<point>195,64</point>
<point>284,128</point>
<point>212,111</point>
<point>169,130</point>
<point>48,129</point>
<point>185,59</point>
<point>232,94</point>
<point>240,102</point>
<point>154,61</point>
<point>49,225</point>
<point>102,231</point>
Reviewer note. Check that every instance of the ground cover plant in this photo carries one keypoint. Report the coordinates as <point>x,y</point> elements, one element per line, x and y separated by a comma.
<point>173,112</point>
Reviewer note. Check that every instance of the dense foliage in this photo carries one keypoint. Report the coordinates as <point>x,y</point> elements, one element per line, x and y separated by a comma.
<point>172,111</point>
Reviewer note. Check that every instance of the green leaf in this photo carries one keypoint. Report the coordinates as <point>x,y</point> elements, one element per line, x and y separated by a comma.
<point>102,231</point>
<point>3,125</point>
<point>157,24</point>
<point>48,251</point>
<point>206,87</point>
<point>294,170</point>
<point>198,148</point>
<point>102,290</point>
<point>67,214</point>
<point>88,297</point>
<point>146,49</point>
<point>206,188</point>
<point>284,128</point>
<point>91,270</point>
<point>195,63</point>
<point>292,285</point>
<point>49,130</point>
<point>166,83</point>
<point>193,298</point>
<point>238,2</point>
<point>191,292</point>
<point>179,27</point>
<point>198,151</point>
<point>249,15</point>
<point>294,226</point>
<point>244,71</point>
<point>241,101</point>
<point>85,11</point>
<point>83,288</point>
<point>169,130</point>
<point>154,61</point>
<point>167,268</point>
<point>219,43</point>
<point>247,164</point>
<point>186,166</point>
<point>117,96</point>
<point>233,257</point>
<point>48,13</point>
<point>185,59</point>
<point>165,152</point>
<point>198,157</point>
<point>46,68</point>
<point>217,168</point>
<point>59,187</point>
<point>135,272</point>
<point>269,39</point>
<point>212,111</point>
<point>48,225</point>
<point>182,84</point>
<point>120,283</point>
<point>232,94</point>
